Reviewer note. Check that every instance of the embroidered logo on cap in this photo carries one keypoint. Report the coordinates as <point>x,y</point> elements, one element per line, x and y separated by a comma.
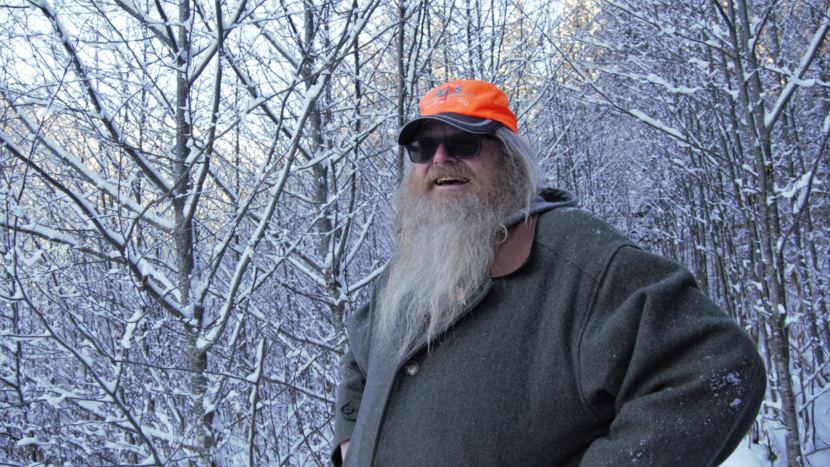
<point>443,94</point>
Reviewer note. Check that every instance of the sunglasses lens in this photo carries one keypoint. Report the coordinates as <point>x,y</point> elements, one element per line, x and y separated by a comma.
<point>422,150</point>
<point>464,146</point>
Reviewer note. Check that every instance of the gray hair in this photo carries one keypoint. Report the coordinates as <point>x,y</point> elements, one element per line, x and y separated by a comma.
<point>523,158</point>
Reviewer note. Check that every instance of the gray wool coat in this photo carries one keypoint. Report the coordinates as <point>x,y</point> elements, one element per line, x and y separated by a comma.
<point>590,352</point>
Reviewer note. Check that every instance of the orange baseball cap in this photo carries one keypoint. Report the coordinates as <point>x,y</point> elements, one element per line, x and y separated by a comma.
<point>470,105</point>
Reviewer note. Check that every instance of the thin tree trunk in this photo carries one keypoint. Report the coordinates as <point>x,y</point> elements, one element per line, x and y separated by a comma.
<point>765,203</point>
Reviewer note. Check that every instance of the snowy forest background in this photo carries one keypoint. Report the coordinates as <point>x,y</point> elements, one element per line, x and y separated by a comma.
<point>194,194</point>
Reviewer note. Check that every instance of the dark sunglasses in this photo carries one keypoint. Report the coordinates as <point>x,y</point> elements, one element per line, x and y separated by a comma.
<point>461,146</point>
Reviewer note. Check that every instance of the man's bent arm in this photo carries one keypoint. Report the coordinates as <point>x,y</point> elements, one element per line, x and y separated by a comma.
<point>678,380</point>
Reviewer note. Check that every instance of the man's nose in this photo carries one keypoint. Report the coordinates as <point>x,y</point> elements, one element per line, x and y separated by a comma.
<point>443,155</point>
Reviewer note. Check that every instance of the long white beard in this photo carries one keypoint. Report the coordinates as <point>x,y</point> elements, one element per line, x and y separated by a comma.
<point>444,251</point>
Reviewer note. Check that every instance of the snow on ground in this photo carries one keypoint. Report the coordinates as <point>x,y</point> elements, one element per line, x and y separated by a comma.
<point>817,452</point>
<point>747,455</point>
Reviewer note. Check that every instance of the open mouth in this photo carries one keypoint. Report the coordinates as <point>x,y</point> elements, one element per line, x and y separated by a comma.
<point>447,181</point>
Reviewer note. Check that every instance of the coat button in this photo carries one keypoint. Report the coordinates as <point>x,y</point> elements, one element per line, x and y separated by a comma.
<point>347,409</point>
<point>411,368</point>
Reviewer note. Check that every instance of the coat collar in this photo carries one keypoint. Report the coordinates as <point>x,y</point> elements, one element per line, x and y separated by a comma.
<point>514,251</point>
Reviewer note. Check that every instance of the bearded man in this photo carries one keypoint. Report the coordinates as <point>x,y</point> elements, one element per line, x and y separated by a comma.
<point>512,329</point>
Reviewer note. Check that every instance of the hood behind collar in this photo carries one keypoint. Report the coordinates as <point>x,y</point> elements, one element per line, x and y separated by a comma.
<point>545,200</point>
<point>514,251</point>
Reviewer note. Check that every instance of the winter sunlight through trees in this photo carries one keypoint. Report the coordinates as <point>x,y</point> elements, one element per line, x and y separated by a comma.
<point>193,197</point>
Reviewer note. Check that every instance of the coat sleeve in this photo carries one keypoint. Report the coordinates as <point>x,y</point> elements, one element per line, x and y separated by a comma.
<point>678,381</point>
<point>350,389</point>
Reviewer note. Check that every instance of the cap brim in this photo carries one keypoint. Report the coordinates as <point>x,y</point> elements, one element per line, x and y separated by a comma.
<point>475,125</point>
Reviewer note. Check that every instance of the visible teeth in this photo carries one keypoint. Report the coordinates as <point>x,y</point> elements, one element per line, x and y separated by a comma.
<point>443,180</point>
